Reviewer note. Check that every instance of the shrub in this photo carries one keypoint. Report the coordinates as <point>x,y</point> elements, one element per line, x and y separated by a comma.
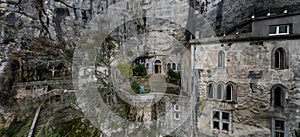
<point>173,74</point>
<point>135,87</point>
<point>125,69</point>
<point>148,90</point>
<point>139,70</point>
<point>297,132</point>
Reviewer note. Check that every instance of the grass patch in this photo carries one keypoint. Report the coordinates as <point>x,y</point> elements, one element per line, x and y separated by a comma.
<point>115,126</point>
<point>17,129</point>
<point>297,133</point>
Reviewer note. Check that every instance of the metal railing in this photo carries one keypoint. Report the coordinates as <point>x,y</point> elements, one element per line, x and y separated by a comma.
<point>48,82</point>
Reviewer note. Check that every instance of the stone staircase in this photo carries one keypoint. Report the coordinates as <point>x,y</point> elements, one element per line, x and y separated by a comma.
<point>40,122</point>
<point>34,121</point>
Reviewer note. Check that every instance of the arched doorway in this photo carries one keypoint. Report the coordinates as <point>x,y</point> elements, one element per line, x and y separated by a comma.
<point>157,66</point>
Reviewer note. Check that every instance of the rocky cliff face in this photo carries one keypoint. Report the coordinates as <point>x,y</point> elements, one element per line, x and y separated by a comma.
<point>38,37</point>
<point>227,16</point>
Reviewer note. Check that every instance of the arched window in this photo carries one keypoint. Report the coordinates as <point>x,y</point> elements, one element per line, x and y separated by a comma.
<point>178,66</point>
<point>157,62</point>
<point>174,66</point>
<point>278,96</point>
<point>210,91</point>
<point>157,66</point>
<point>169,66</point>
<point>219,91</point>
<point>229,90</point>
<point>279,59</point>
<point>221,59</point>
<point>147,65</point>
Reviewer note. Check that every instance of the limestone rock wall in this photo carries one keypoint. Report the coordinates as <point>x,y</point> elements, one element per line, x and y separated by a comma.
<point>62,22</point>
<point>226,16</point>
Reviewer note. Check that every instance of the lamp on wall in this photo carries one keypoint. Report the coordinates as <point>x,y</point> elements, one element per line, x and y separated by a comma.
<point>253,14</point>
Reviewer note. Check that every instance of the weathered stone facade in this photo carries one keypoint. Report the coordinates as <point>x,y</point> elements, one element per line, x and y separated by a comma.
<point>251,77</point>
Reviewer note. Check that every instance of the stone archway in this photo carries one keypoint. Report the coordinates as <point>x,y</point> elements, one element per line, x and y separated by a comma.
<point>157,66</point>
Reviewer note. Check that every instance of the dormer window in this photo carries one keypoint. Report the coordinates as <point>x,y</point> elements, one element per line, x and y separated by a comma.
<point>279,30</point>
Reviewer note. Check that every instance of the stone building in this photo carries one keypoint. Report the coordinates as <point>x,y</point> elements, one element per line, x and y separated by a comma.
<point>157,41</point>
<point>249,79</point>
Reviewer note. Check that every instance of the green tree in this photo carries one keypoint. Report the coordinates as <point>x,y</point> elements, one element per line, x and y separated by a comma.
<point>105,56</point>
<point>173,74</point>
<point>140,70</point>
<point>135,87</point>
<point>125,69</point>
<point>297,132</point>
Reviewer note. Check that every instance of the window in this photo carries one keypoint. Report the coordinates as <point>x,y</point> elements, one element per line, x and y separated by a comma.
<point>157,66</point>
<point>219,91</point>
<point>176,116</point>
<point>216,125</point>
<point>279,58</point>
<point>279,29</point>
<point>278,96</point>
<point>222,121</point>
<point>210,91</point>
<point>176,107</point>
<point>176,112</point>
<point>216,120</point>
<point>278,130</point>
<point>178,66</point>
<point>147,65</point>
<point>174,66</point>
<point>169,66</point>
<point>221,59</point>
<point>229,92</point>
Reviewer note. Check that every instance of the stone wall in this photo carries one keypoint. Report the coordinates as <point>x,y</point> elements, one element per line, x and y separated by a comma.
<point>248,67</point>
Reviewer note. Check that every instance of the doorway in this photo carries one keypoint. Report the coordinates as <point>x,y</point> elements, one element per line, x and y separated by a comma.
<point>157,66</point>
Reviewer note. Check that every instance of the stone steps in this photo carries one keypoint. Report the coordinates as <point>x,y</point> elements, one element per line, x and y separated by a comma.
<point>40,123</point>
